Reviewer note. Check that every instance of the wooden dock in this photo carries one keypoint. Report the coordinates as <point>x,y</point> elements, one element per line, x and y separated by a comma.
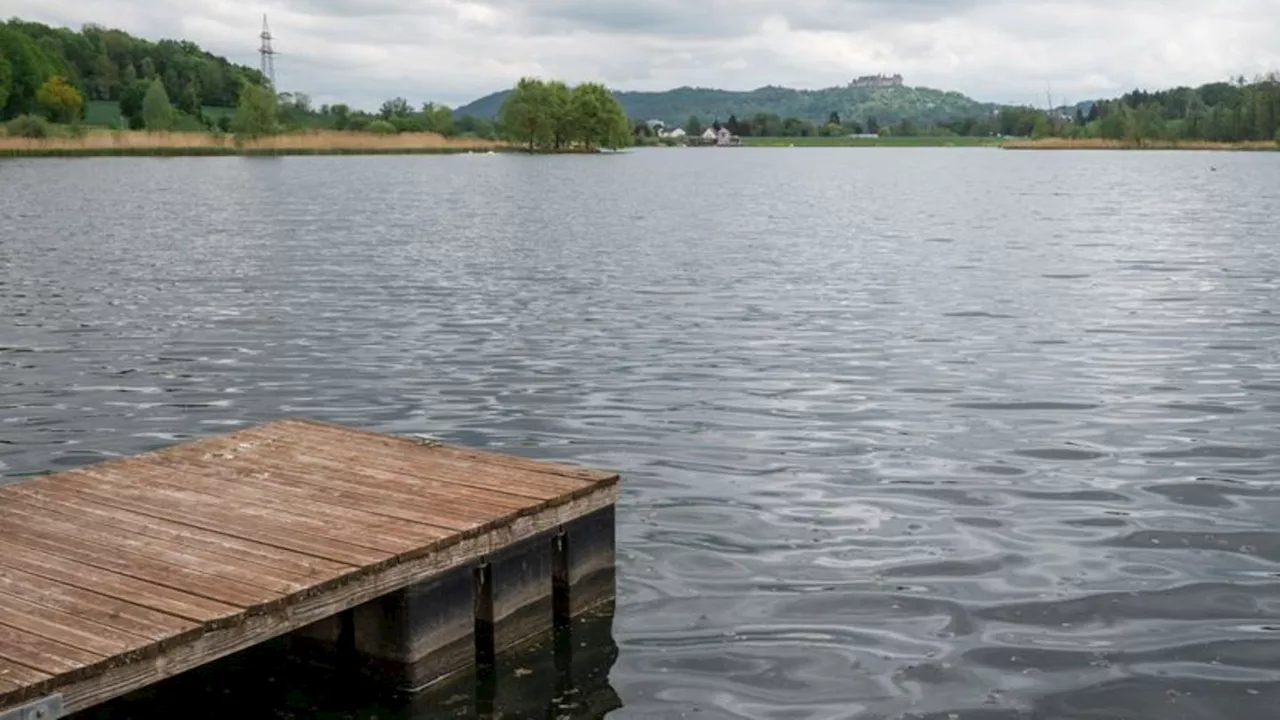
<point>413,556</point>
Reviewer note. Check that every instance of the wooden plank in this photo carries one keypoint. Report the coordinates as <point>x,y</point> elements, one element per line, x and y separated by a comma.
<point>72,503</point>
<point>319,488</point>
<point>126,616</point>
<point>141,488</point>
<point>298,486</point>
<point>218,520</point>
<point>129,556</point>
<point>146,554</point>
<point>197,495</point>
<point>317,462</point>
<point>66,628</point>
<point>42,654</point>
<point>320,457</point>
<point>18,675</point>
<point>338,596</point>
<point>123,587</point>
<point>382,493</point>
<point>514,462</point>
<point>590,476</point>
<point>247,488</point>
<point>411,457</point>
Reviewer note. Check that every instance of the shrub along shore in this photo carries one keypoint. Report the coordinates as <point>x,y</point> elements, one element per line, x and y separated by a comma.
<point>140,143</point>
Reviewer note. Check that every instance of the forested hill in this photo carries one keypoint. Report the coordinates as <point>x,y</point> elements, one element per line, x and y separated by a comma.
<point>923,106</point>
<point>102,64</point>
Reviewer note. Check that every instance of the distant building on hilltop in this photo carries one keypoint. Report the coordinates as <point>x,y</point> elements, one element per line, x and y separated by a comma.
<point>877,81</point>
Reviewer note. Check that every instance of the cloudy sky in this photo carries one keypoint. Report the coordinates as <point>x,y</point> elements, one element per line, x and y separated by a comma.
<point>364,51</point>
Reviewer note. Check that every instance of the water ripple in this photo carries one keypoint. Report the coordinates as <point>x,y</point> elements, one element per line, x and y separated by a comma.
<point>1010,453</point>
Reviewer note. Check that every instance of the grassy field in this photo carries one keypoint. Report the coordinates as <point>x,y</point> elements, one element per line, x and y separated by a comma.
<point>954,141</point>
<point>102,113</point>
<point>1101,144</point>
<point>129,143</point>
<point>106,113</point>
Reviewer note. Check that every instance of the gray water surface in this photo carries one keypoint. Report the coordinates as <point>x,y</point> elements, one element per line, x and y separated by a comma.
<point>942,433</point>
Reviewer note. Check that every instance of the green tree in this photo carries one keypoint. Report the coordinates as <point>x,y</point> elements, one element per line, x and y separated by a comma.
<point>620,135</point>
<point>104,78</point>
<point>60,102</point>
<point>559,100</point>
<point>395,107</point>
<point>189,101</point>
<point>131,103</point>
<point>1041,129</point>
<point>475,127</point>
<point>524,116</point>
<point>255,113</point>
<point>29,68</point>
<point>6,80</point>
<point>438,118</point>
<point>341,115</point>
<point>693,126</point>
<point>597,117</point>
<point>157,113</point>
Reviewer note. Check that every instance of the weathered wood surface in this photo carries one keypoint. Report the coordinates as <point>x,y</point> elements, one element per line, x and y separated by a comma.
<point>119,574</point>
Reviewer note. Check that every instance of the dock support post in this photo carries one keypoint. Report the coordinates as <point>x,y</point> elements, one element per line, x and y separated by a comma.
<point>520,594</point>
<point>472,614</point>
<point>423,633</point>
<point>586,576</point>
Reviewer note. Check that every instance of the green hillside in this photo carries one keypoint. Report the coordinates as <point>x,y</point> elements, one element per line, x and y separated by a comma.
<point>102,64</point>
<point>885,105</point>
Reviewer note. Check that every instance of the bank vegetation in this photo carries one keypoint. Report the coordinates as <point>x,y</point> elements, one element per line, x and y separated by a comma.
<point>315,142</point>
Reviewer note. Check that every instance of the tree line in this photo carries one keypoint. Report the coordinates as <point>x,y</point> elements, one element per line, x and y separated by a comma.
<point>55,73</point>
<point>104,64</point>
<point>1236,111</point>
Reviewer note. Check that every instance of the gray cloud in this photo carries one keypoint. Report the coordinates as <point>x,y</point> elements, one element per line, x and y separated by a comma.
<point>364,51</point>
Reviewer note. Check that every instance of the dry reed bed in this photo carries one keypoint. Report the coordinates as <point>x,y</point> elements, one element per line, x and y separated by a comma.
<point>111,142</point>
<point>1102,144</point>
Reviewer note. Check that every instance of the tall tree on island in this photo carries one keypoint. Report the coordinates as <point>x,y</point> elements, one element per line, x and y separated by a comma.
<point>592,114</point>
<point>525,114</point>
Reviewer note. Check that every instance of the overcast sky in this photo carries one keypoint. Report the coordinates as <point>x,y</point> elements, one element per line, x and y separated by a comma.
<point>364,51</point>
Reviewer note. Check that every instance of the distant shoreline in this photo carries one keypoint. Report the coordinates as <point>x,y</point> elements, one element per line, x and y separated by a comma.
<point>1055,143</point>
<point>119,143</point>
<point>887,141</point>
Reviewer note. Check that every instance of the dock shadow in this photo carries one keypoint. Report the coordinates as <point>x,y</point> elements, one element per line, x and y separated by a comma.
<point>562,673</point>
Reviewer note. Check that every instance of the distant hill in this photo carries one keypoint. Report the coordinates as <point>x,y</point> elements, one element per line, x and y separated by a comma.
<point>886,105</point>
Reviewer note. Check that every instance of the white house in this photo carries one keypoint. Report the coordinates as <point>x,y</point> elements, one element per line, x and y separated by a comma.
<point>711,136</point>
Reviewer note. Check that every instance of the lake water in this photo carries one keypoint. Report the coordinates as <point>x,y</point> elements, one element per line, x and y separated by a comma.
<point>915,433</point>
